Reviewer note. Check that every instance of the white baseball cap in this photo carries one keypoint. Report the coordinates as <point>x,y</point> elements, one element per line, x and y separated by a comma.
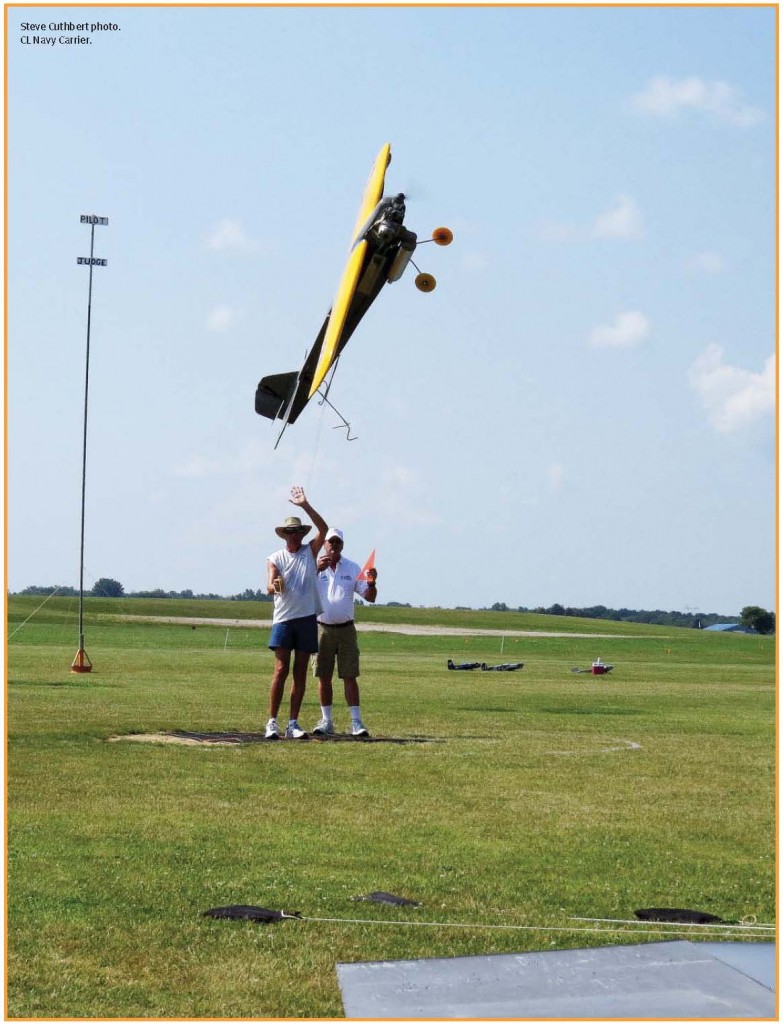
<point>332,532</point>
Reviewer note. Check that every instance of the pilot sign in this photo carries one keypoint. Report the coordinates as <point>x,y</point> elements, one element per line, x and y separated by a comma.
<point>92,261</point>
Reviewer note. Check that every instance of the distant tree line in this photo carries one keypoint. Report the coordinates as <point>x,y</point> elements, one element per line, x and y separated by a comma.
<point>657,617</point>
<point>752,615</point>
<point>107,587</point>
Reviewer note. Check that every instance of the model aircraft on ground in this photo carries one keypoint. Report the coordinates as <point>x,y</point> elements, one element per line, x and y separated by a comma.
<point>468,666</point>
<point>381,249</point>
<point>598,668</point>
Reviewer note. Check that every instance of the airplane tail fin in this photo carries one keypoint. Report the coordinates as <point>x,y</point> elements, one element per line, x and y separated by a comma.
<point>274,393</point>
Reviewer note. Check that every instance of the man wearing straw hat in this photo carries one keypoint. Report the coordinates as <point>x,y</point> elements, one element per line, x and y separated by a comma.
<point>291,578</point>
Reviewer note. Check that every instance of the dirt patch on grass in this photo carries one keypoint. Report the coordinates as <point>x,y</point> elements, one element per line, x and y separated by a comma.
<point>233,739</point>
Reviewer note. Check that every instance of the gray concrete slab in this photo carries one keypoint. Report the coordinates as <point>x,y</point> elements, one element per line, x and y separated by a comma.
<point>756,959</point>
<point>652,980</point>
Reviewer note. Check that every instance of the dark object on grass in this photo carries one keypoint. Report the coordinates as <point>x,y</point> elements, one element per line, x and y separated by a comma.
<point>673,915</point>
<point>510,667</point>
<point>466,666</point>
<point>386,897</point>
<point>241,912</point>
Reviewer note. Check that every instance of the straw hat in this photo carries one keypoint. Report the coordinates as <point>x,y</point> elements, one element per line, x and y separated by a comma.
<point>292,524</point>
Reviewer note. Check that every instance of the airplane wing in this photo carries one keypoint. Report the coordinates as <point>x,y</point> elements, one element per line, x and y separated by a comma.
<point>373,190</point>
<point>350,278</point>
<point>340,307</point>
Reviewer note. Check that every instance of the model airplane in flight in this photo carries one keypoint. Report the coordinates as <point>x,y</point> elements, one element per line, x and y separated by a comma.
<point>381,249</point>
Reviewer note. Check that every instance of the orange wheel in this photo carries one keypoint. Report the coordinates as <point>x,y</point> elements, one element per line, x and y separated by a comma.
<point>425,282</point>
<point>442,236</point>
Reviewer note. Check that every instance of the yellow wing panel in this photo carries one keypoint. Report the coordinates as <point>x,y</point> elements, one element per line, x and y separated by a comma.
<point>373,191</point>
<point>340,307</point>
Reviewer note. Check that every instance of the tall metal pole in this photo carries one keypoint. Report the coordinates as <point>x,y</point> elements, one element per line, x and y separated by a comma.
<point>82,663</point>
<point>84,443</point>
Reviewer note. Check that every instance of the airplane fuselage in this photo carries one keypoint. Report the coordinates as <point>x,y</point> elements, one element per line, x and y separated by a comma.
<point>389,248</point>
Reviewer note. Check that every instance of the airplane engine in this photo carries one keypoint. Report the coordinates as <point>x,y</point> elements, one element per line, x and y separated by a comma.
<point>403,257</point>
<point>385,232</point>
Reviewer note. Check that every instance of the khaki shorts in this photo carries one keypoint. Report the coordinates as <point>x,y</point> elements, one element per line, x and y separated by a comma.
<point>338,642</point>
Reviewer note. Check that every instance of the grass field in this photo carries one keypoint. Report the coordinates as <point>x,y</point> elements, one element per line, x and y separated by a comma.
<point>510,798</point>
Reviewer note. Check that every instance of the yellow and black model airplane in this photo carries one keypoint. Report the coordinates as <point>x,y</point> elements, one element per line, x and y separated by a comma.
<point>381,248</point>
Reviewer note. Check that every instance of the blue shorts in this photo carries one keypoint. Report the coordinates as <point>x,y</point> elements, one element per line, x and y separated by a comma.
<point>296,635</point>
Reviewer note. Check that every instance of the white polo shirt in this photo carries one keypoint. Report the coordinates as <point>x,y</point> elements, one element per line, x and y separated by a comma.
<point>336,588</point>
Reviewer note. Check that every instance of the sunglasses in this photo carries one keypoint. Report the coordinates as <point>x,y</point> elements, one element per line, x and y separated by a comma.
<point>334,540</point>
<point>293,529</point>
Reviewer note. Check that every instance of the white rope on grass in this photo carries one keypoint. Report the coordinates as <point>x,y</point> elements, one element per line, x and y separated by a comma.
<point>505,927</point>
<point>35,612</point>
<point>740,925</point>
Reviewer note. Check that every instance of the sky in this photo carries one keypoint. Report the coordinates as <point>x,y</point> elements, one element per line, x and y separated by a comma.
<point>582,412</point>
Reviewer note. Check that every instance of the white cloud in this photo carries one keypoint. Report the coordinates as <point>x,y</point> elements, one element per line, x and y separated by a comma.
<point>251,460</point>
<point>474,262</point>
<point>196,467</point>
<point>628,329</point>
<point>707,263</point>
<point>402,502</point>
<point>623,220</point>
<point>666,97</point>
<point>733,397</point>
<point>555,231</point>
<point>221,318</point>
<point>229,234</point>
<point>555,476</point>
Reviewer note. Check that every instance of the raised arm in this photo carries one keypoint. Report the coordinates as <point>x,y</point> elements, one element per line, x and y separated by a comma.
<point>298,498</point>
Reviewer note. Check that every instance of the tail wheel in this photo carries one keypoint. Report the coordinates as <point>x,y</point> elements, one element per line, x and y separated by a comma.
<point>425,282</point>
<point>442,236</point>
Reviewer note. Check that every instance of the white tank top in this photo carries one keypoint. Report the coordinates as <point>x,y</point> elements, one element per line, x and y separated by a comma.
<point>300,595</point>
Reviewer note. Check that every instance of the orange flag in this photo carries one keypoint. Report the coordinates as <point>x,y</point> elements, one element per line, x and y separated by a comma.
<point>369,564</point>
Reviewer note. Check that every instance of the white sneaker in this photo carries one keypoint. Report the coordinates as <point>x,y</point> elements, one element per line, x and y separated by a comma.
<point>359,730</point>
<point>272,731</point>
<point>293,731</point>
<point>324,728</point>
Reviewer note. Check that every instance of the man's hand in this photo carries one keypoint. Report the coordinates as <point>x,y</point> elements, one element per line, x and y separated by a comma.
<point>323,562</point>
<point>298,496</point>
<point>372,575</point>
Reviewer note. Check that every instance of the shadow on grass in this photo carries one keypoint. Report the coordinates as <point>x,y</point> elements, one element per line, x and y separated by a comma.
<point>596,710</point>
<point>78,683</point>
<point>489,710</point>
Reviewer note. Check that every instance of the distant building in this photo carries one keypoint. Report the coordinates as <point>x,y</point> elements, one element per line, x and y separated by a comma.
<point>731,627</point>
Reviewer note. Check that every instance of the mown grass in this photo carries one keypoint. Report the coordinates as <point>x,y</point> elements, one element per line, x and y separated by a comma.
<point>515,798</point>
<point>65,609</point>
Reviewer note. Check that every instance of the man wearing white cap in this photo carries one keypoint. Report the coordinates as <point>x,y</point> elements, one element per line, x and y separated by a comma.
<point>338,580</point>
<point>291,576</point>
